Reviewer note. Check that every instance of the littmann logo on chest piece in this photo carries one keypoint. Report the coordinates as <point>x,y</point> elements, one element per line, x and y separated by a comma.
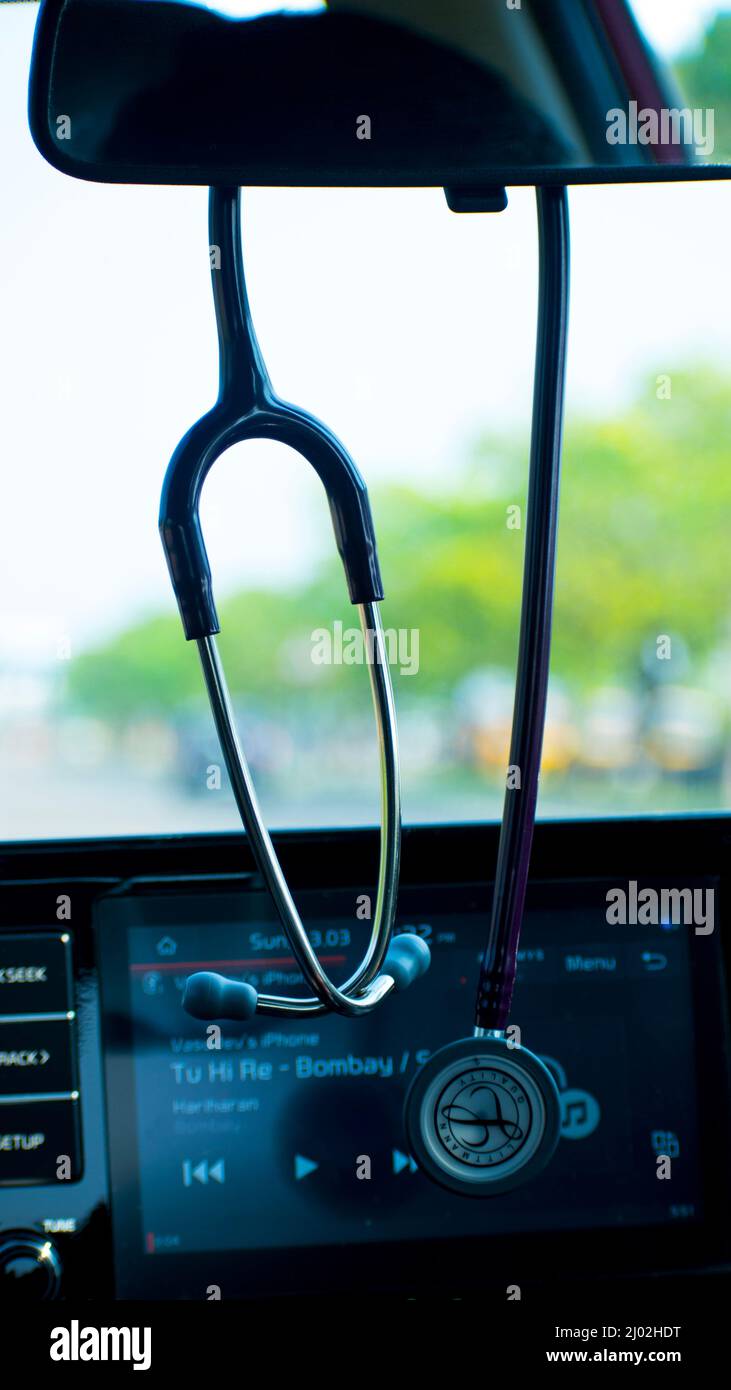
<point>482,1117</point>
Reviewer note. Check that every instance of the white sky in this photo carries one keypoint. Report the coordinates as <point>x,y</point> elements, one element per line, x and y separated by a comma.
<point>406,328</point>
<point>672,24</point>
<point>669,23</point>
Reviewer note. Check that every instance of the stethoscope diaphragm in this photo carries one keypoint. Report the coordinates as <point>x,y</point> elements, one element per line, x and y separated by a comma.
<point>483,1116</point>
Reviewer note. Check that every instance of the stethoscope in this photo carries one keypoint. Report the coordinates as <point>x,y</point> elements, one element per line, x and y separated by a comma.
<point>483,1114</point>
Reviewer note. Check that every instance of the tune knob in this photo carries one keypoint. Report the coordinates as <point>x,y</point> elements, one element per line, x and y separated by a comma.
<point>30,1269</point>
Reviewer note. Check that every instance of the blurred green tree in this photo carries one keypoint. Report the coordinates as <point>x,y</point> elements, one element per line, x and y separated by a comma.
<point>704,74</point>
<point>643,550</point>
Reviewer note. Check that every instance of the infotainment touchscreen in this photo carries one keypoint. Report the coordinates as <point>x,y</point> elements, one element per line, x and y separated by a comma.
<point>287,1134</point>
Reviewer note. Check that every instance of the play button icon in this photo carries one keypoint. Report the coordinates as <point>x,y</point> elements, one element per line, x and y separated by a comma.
<point>303,1167</point>
<point>402,1161</point>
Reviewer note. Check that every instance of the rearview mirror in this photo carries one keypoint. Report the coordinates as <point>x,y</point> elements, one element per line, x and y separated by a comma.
<point>474,94</point>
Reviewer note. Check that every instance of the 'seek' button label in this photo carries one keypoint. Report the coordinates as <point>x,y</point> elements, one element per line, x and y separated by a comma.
<point>35,973</point>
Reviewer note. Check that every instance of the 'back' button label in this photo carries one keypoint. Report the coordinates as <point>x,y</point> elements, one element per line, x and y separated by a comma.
<point>37,1055</point>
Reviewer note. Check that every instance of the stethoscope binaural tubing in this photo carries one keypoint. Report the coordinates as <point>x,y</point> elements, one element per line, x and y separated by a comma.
<point>248,408</point>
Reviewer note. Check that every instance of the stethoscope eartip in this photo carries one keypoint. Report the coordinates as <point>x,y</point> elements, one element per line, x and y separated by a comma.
<point>483,1116</point>
<point>408,957</point>
<point>209,996</point>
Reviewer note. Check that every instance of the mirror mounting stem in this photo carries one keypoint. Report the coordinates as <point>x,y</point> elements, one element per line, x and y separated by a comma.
<point>476,199</point>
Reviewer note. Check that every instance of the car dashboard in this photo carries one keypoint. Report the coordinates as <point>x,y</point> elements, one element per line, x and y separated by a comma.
<point>146,1155</point>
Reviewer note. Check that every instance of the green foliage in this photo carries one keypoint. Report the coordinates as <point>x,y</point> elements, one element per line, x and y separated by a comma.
<point>144,670</point>
<point>643,550</point>
<point>642,546</point>
<point>705,79</point>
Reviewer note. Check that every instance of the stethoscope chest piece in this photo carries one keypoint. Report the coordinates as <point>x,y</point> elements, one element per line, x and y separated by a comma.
<point>483,1116</point>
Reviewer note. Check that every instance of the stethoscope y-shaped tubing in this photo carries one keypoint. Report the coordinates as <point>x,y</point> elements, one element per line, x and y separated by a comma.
<point>248,408</point>
<point>497,970</point>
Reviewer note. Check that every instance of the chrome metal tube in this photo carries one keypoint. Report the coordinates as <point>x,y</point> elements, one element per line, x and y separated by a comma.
<point>366,987</point>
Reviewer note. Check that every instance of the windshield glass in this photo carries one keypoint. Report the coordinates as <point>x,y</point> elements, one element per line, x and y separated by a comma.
<point>411,332</point>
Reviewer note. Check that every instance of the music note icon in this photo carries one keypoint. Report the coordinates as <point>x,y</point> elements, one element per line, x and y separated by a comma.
<point>580,1114</point>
